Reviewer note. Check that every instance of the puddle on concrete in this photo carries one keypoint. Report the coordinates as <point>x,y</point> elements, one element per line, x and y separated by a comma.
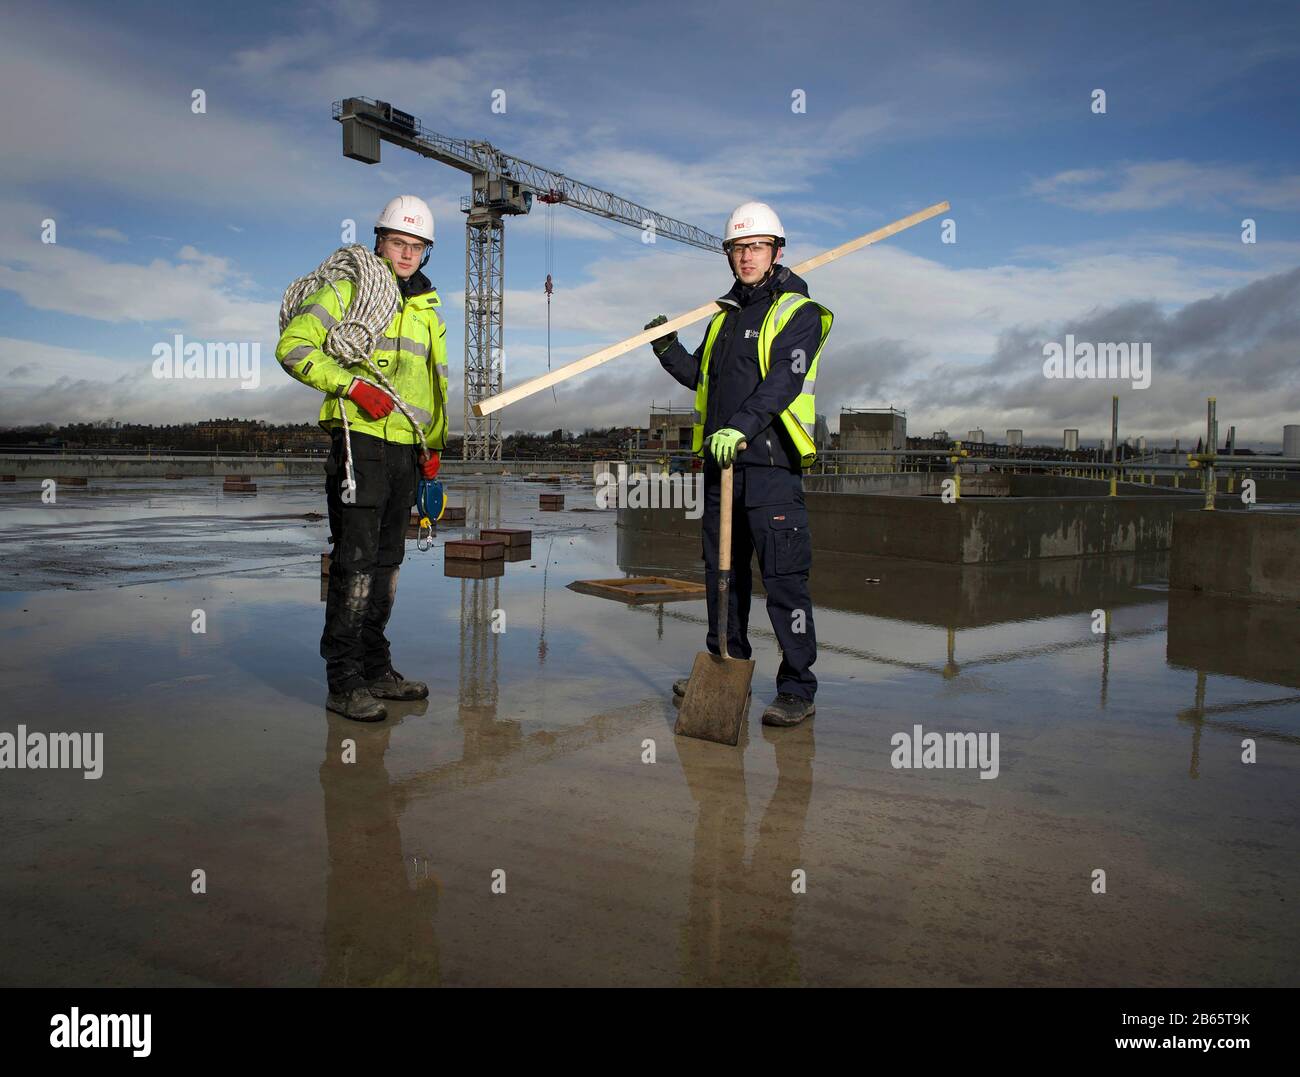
<point>1119,751</point>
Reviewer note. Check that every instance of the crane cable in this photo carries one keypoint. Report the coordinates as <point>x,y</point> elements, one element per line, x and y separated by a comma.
<point>353,339</point>
<point>550,268</point>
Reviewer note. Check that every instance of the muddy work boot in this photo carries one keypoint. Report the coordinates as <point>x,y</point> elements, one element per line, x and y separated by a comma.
<point>786,709</point>
<point>392,685</point>
<point>357,704</point>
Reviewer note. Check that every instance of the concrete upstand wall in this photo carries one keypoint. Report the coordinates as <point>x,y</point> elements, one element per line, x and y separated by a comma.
<point>1247,554</point>
<point>109,466</point>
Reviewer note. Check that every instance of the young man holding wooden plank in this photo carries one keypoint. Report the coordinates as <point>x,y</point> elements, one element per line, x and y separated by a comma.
<point>753,376</point>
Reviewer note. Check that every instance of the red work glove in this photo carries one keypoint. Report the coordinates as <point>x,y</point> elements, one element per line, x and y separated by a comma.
<point>429,464</point>
<point>374,402</point>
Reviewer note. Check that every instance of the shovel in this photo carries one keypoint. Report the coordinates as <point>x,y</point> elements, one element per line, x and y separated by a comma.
<point>716,703</point>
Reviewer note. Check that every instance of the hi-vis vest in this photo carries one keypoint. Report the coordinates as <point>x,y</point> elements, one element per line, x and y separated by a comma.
<point>800,417</point>
<point>412,354</point>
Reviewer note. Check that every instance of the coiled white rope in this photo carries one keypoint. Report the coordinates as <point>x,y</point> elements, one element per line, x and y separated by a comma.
<point>353,339</point>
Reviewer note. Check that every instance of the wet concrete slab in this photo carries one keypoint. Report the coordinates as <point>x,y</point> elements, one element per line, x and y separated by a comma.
<point>376,862</point>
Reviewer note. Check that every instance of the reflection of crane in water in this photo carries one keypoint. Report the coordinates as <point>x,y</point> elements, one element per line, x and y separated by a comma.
<point>479,599</point>
<point>541,640</point>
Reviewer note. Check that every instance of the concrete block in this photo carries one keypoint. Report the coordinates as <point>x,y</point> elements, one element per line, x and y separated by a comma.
<point>1250,554</point>
<point>512,537</point>
<point>474,550</point>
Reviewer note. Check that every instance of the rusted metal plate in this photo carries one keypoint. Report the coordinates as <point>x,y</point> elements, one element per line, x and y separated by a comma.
<point>638,590</point>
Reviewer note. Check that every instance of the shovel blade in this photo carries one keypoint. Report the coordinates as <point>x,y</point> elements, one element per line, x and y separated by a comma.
<point>716,703</point>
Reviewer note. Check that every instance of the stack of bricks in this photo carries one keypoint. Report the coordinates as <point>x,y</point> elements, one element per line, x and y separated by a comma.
<point>474,559</point>
<point>518,543</point>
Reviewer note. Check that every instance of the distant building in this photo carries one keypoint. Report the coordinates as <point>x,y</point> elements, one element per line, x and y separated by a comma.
<point>670,429</point>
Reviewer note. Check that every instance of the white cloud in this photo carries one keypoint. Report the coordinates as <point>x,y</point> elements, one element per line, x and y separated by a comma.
<point>1153,185</point>
<point>197,292</point>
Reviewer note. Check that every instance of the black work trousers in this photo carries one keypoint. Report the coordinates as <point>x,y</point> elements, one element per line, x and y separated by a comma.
<point>768,518</point>
<point>369,534</point>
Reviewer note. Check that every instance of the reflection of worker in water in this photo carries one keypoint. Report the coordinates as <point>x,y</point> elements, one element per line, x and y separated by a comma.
<point>740,921</point>
<point>753,376</point>
<point>378,929</point>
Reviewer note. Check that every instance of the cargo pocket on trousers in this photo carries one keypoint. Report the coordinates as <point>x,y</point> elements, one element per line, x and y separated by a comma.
<point>791,541</point>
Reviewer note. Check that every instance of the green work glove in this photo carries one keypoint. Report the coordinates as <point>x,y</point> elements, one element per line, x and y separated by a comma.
<point>723,445</point>
<point>660,344</point>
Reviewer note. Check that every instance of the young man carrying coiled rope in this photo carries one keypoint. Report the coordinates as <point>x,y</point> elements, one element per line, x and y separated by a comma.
<point>363,331</point>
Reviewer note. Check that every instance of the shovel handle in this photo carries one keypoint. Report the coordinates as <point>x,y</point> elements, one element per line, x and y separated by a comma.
<point>724,557</point>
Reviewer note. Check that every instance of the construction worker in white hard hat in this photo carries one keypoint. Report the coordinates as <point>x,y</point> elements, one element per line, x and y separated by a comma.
<point>368,527</point>
<point>753,376</point>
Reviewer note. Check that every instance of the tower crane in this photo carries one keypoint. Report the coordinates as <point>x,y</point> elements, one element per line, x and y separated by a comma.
<point>501,186</point>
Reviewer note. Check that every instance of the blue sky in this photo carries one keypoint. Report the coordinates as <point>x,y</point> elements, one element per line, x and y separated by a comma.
<point>1119,226</point>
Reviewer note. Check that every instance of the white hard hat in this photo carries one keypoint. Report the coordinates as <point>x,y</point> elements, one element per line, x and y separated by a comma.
<point>409,214</point>
<point>754,219</point>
